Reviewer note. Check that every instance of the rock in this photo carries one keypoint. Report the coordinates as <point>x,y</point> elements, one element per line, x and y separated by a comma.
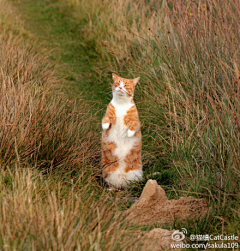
<point>154,207</point>
<point>151,194</point>
<point>158,239</point>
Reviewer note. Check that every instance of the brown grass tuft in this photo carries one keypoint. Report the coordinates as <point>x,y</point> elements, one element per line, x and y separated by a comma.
<point>39,125</point>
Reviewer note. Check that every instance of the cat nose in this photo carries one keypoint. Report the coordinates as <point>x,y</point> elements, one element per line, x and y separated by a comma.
<point>120,87</point>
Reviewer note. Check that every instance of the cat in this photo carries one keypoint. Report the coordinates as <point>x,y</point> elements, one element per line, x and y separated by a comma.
<point>121,136</point>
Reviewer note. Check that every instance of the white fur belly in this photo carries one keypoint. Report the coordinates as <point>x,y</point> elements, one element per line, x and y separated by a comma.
<point>118,135</point>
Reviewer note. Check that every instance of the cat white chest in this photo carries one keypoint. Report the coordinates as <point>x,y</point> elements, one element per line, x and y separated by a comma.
<point>120,129</point>
<point>118,132</point>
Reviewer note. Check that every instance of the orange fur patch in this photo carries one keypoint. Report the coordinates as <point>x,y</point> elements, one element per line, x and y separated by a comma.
<point>134,160</point>
<point>110,116</point>
<point>131,119</point>
<point>109,160</point>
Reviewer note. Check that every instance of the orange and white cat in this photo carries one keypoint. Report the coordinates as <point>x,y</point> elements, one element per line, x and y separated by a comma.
<point>121,136</point>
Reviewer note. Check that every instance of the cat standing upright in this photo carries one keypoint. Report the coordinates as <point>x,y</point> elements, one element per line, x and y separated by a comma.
<point>121,136</point>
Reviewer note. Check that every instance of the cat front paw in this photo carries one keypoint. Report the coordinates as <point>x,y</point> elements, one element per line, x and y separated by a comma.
<point>130,133</point>
<point>105,126</point>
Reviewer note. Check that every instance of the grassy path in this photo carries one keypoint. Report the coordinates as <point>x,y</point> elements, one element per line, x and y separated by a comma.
<point>54,28</point>
<point>189,135</point>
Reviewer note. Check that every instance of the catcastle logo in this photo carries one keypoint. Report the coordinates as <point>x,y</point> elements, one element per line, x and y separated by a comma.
<point>209,241</point>
<point>179,236</point>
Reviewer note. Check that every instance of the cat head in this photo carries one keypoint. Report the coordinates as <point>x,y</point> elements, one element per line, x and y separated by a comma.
<point>124,87</point>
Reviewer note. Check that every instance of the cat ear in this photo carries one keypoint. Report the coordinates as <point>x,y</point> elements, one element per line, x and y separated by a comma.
<point>114,76</point>
<point>135,80</point>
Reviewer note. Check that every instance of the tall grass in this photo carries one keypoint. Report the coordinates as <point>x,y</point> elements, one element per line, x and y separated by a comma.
<point>39,125</point>
<point>41,213</point>
<point>187,54</point>
<point>107,23</point>
<point>42,131</point>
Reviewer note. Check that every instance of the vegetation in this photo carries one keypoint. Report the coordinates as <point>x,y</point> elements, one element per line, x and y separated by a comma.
<point>187,55</point>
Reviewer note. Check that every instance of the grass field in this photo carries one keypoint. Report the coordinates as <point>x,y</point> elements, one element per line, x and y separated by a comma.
<point>56,60</point>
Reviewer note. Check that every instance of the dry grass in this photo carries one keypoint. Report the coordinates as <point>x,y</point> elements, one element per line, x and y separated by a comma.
<point>187,54</point>
<point>107,23</point>
<point>42,131</point>
<point>41,213</point>
<point>39,126</point>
